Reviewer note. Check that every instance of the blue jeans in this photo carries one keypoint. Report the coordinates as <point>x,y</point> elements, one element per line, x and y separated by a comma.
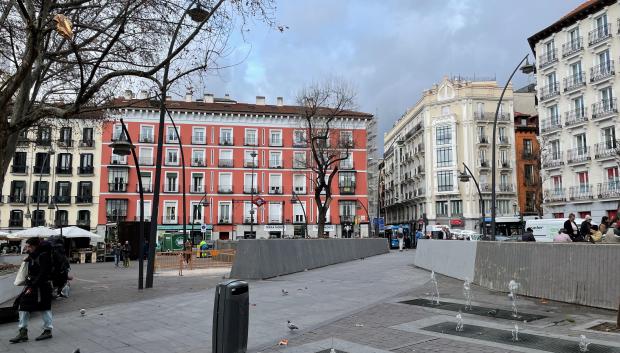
<point>117,258</point>
<point>24,317</point>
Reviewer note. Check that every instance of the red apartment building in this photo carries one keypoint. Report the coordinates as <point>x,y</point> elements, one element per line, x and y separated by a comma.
<point>218,137</point>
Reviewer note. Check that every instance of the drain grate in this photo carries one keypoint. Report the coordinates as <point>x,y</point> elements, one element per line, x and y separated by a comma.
<point>526,340</point>
<point>475,310</point>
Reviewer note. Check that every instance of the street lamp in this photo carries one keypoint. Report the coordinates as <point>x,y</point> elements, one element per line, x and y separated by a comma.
<point>361,205</point>
<point>526,68</point>
<point>122,147</point>
<point>294,200</point>
<point>51,152</point>
<point>253,154</point>
<point>53,206</point>
<point>464,177</point>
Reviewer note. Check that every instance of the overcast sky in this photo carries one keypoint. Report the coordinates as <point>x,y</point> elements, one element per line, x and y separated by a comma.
<point>389,50</point>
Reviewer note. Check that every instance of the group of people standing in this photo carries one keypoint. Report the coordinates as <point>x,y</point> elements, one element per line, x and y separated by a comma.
<point>121,253</point>
<point>608,231</point>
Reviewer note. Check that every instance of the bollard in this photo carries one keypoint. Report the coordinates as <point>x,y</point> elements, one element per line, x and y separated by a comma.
<point>230,317</point>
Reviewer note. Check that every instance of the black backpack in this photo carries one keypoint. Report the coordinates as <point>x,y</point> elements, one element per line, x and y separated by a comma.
<point>60,263</point>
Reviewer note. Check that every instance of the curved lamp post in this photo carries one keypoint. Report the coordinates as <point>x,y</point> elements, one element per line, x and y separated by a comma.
<point>295,199</point>
<point>122,147</point>
<point>50,153</point>
<point>464,177</point>
<point>526,68</point>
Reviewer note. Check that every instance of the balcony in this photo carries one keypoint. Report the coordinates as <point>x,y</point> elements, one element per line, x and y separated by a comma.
<point>172,162</point>
<point>555,194</point>
<point>489,116</point>
<point>225,163</point>
<point>347,188</point>
<point>547,59</point>
<point>199,140</point>
<point>576,117</point>
<point>578,155</point>
<point>484,164</point>
<point>198,162</point>
<point>504,164</point>
<point>602,71</point>
<point>250,163</point>
<point>117,216</point>
<point>41,199</point>
<point>169,220</point>
<point>16,222</point>
<point>503,140</point>
<point>17,198</point>
<point>549,91</point>
<point>224,220</point>
<point>581,192</point>
<point>300,143</point>
<point>83,223</point>
<point>64,143</point>
<point>250,141</point>
<point>43,142</point>
<point>84,199</point>
<point>275,190</point>
<point>572,47</point>
<point>64,199</point>
<point>225,189</point>
<point>275,163</point>
<point>551,125</point>
<point>171,187</point>
<point>505,187</point>
<point>483,140</point>
<point>146,139</point>
<point>299,164</point>
<point>226,141</point>
<point>599,34</point>
<point>607,149</point>
<point>250,190</point>
<point>86,170</point>
<point>553,160</point>
<point>275,142</point>
<point>346,164</point>
<point>118,161</point>
<point>117,187</point>
<point>574,82</point>
<point>609,190</point>
<point>528,155</point>
<point>19,169</point>
<point>38,169</point>
<point>604,109</point>
<point>64,170</point>
<point>196,188</point>
<point>87,143</point>
<point>146,160</point>
<point>146,187</point>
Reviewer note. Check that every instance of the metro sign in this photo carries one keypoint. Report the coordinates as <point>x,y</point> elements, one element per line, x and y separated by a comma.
<point>259,201</point>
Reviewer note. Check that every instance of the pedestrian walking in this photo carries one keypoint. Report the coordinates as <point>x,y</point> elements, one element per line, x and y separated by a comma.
<point>187,251</point>
<point>37,293</point>
<point>400,241</point>
<point>116,251</point>
<point>571,228</point>
<point>126,249</point>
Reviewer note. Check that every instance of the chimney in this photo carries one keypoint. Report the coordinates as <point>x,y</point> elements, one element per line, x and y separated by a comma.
<point>260,100</point>
<point>280,101</point>
<point>208,98</point>
<point>143,94</point>
<point>188,96</point>
<point>128,94</point>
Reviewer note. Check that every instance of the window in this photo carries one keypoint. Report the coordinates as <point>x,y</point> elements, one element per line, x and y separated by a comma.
<point>346,139</point>
<point>556,182</point>
<point>87,137</point>
<point>226,158</point>
<point>503,207</point>
<point>444,156</point>
<point>197,183</point>
<point>346,182</point>
<point>444,135</point>
<point>503,158</point>
<point>198,158</point>
<point>529,174</point>
<point>117,179</point>
<point>84,192</point>
<point>116,159</point>
<point>42,163</point>
<point>63,163</point>
<point>225,215</point>
<point>61,218</point>
<point>551,82</point>
<point>608,136</point>
<point>582,179</point>
<point>299,138</point>
<point>65,137</point>
<point>199,136</point>
<point>19,162</point>
<point>604,60</point>
<point>275,212</point>
<point>249,209</point>
<point>299,183</point>
<point>298,212</point>
<point>250,182</point>
<point>170,212</point>
<point>612,178</point>
<point>444,181</point>
<point>347,211</point>
<point>527,147</point>
<point>172,156</point>
<point>249,160</point>
<point>347,162</point>
<point>554,115</point>
<point>117,131</point>
<point>575,72</point>
<point>251,137</point>
<point>145,156</point>
<point>44,135</point>
<point>16,219</point>
<point>457,207</point>
<point>225,183</point>
<point>555,150</point>
<point>275,159</point>
<point>275,183</point>
<point>275,137</point>
<point>299,160</point>
<point>147,185</point>
<point>530,201</point>
<point>18,191</point>
<point>503,181</point>
<point>63,192</point>
<point>558,215</point>
<point>580,142</point>
<point>171,134</point>
<point>116,209</point>
<point>146,134</point>
<point>441,208</point>
<point>584,214</point>
<point>196,209</point>
<point>481,134</point>
<point>41,192</point>
<point>502,135</point>
<point>573,38</point>
<point>83,218</point>
<point>86,163</point>
<point>172,181</point>
<point>226,136</point>
<point>38,218</point>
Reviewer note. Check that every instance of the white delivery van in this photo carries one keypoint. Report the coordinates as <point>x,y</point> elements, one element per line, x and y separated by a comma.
<point>546,229</point>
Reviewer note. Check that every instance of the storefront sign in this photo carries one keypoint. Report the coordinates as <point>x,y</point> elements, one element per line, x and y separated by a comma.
<point>328,228</point>
<point>274,227</point>
<point>457,222</point>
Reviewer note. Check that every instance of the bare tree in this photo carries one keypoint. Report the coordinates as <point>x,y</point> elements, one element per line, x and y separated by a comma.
<point>323,108</point>
<point>66,59</point>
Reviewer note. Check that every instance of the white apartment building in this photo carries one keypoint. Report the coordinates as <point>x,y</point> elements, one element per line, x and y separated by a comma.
<point>577,85</point>
<point>426,148</point>
<point>53,179</point>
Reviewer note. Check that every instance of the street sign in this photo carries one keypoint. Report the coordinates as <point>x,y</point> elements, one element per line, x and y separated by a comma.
<point>203,228</point>
<point>380,223</point>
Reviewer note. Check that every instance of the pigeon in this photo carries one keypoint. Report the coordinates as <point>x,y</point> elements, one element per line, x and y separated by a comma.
<point>493,312</point>
<point>284,292</point>
<point>82,312</point>
<point>291,326</point>
<point>76,351</point>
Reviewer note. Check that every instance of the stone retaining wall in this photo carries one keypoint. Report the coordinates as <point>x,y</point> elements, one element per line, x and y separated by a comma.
<point>267,258</point>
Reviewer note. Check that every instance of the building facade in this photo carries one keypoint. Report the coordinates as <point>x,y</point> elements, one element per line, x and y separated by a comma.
<point>219,138</point>
<point>529,183</point>
<point>577,85</point>
<point>425,150</point>
<point>53,179</point>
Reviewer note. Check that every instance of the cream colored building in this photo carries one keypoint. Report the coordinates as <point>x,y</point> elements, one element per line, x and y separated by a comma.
<point>577,85</point>
<point>53,178</point>
<point>426,148</point>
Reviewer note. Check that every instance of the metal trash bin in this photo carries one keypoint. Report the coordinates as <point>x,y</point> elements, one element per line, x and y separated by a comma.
<point>230,317</point>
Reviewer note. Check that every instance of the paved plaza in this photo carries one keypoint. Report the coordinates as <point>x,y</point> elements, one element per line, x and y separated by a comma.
<point>353,307</point>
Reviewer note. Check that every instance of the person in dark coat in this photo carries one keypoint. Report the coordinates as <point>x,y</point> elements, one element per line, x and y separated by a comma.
<point>528,235</point>
<point>571,228</point>
<point>37,293</point>
<point>586,229</point>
